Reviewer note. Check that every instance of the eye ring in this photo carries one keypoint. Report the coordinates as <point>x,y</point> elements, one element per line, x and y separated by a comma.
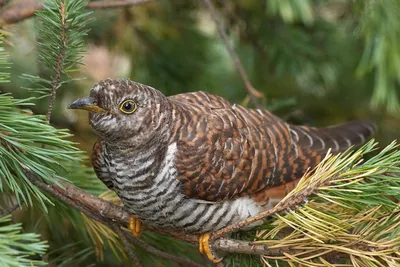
<point>128,106</point>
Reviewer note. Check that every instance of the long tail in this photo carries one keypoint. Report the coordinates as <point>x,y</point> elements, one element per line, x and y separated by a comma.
<point>337,138</point>
<point>310,146</point>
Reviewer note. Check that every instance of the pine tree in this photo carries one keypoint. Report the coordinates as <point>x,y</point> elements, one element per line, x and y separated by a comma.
<point>344,212</point>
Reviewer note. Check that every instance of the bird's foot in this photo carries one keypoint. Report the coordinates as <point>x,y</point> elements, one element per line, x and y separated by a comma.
<point>204,247</point>
<point>135,226</point>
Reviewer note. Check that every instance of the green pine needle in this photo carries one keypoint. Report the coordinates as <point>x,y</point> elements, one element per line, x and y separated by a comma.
<point>16,248</point>
<point>28,142</point>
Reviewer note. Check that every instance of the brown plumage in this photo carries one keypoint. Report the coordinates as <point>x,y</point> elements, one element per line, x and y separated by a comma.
<point>237,151</point>
<point>194,161</point>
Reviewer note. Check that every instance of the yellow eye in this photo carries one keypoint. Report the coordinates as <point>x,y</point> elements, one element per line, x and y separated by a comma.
<point>128,106</point>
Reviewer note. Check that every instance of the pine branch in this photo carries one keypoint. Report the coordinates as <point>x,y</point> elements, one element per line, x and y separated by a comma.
<point>60,57</point>
<point>22,136</point>
<point>61,30</point>
<point>21,10</point>
<point>93,207</point>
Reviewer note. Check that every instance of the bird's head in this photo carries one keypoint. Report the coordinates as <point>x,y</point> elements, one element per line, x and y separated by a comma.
<point>122,110</point>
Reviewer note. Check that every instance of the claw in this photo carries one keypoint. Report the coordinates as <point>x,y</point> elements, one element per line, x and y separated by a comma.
<point>204,248</point>
<point>135,226</point>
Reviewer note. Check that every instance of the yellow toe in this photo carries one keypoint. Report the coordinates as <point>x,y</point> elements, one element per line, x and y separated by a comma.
<point>135,226</point>
<point>204,248</point>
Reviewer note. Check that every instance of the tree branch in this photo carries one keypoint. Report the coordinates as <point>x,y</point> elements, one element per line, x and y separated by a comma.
<point>60,59</point>
<point>253,93</point>
<point>110,214</point>
<point>247,247</point>
<point>24,9</point>
<point>106,213</point>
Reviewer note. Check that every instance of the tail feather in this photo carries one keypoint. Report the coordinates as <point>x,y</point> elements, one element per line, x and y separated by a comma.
<point>309,146</point>
<point>337,138</point>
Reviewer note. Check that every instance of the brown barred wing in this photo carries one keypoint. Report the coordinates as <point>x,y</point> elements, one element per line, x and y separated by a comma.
<point>226,151</point>
<point>235,152</point>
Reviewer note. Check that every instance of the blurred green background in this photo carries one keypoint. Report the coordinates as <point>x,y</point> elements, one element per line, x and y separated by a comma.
<point>317,62</point>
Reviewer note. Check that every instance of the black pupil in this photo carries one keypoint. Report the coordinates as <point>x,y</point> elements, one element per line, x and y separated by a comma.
<point>128,106</point>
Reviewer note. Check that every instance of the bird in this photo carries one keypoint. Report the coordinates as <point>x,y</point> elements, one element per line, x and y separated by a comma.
<point>194,162</point>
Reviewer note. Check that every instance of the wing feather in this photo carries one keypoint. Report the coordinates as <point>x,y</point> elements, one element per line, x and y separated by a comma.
<point>225,151</point>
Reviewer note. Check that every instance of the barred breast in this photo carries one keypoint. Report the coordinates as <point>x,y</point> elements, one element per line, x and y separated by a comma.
<point>154,195</point>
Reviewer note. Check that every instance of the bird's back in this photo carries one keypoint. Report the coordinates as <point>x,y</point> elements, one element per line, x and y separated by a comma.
<point>228,151</point>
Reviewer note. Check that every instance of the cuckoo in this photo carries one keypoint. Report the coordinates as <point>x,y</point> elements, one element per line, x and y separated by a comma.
<point>194,162</point>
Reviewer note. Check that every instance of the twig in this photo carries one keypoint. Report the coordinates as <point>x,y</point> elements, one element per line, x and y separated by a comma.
<point>253,93</point>
<point>60,58</point>
<point>27,8</point>
<point>247,247</point>
<point>128,247</point>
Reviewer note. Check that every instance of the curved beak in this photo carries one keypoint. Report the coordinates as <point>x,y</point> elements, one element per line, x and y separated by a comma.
<point>87,103</point>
